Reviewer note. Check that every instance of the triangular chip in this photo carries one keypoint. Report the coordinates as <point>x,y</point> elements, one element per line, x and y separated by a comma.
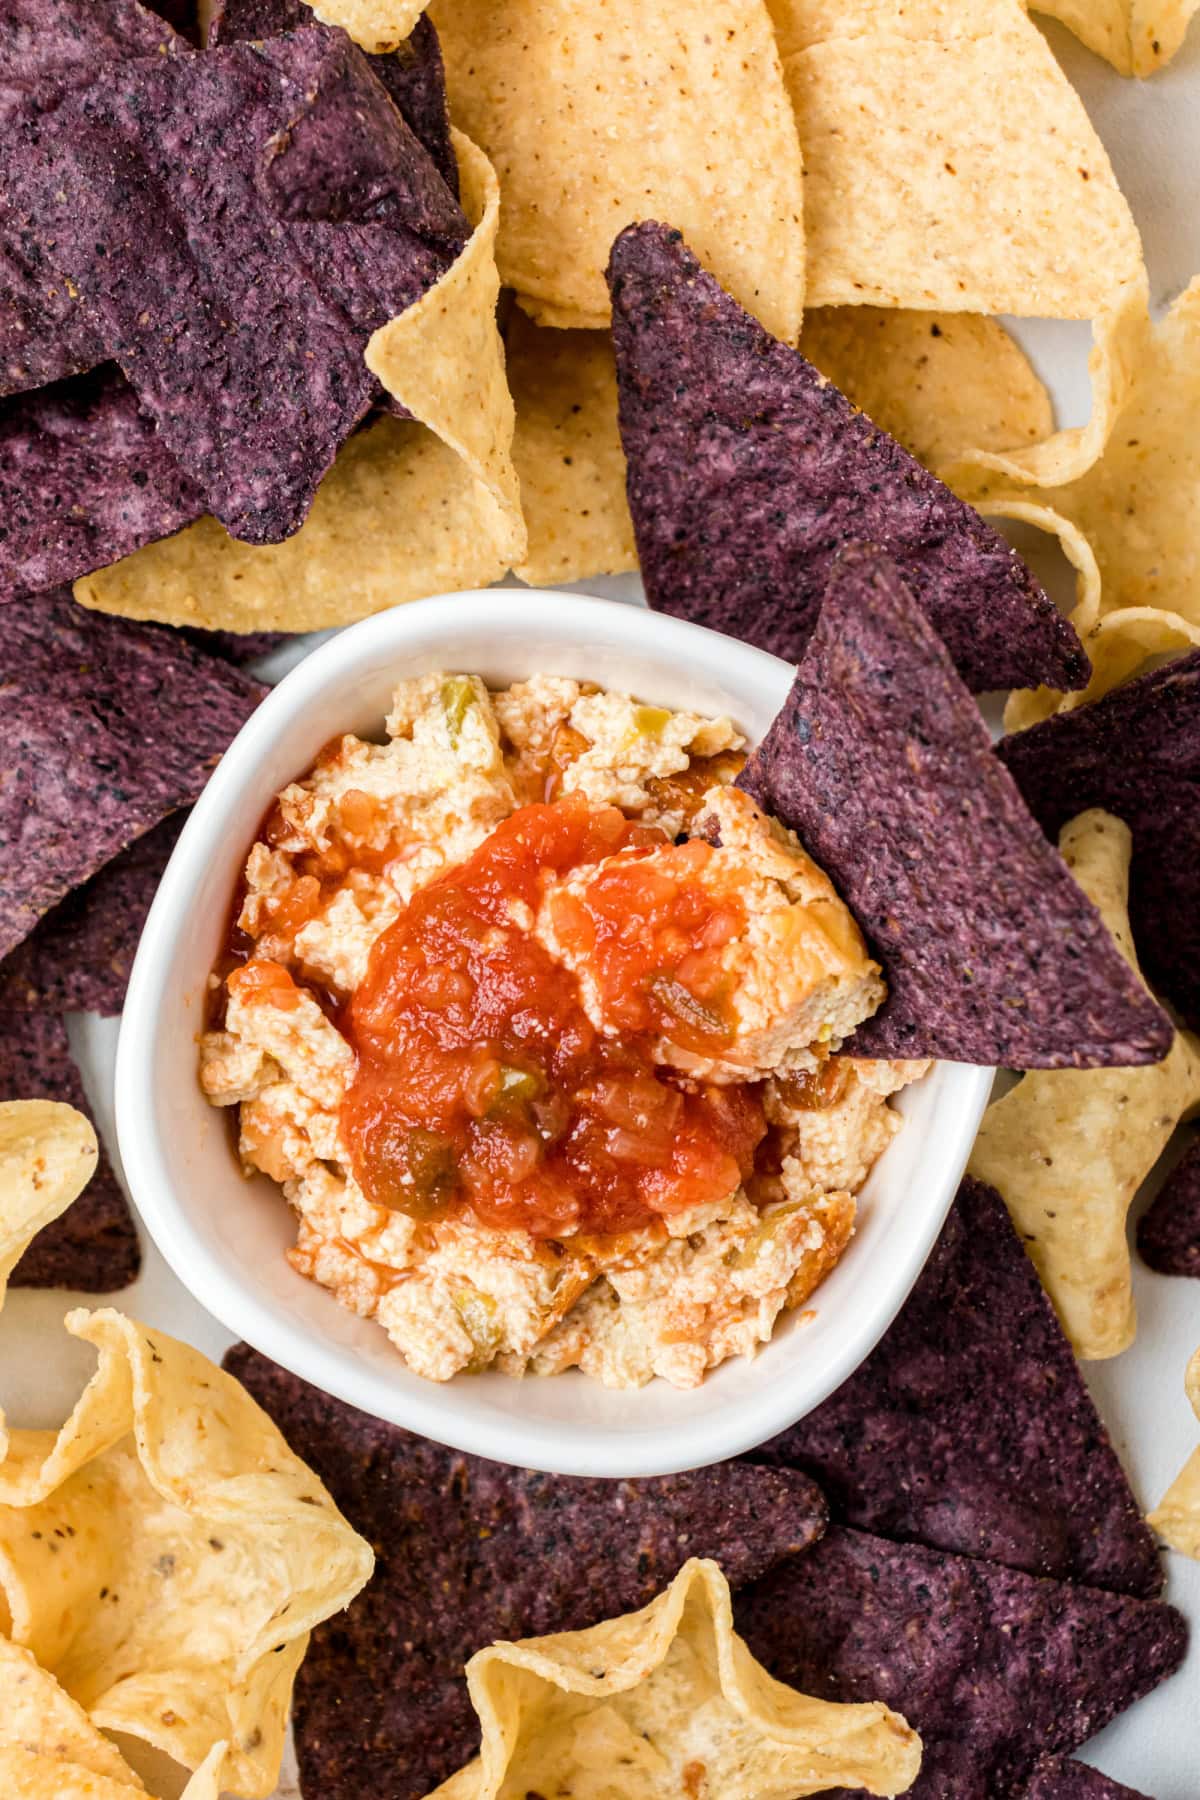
<point>882,765</point>
<point>97,744</point>
<point>948,162</point>
<point>1168,1233</point>
<point>1135,36</point>
<point>412,74</point>
<point>84,479</point>
<point>671,1696</point>
<point>48,47</point>
<point>472,1551</point>
<point>40,1722</point>
<point>92,1246</point>
<point>78,957</point>
<point>1065,1780</point>
<point>226,188</point>
<point>48,1155</point>
<point>994,1668</point>
<point>1136,753</point>
<point>969,1428</point>
<point>1069,1148</point>
<point>748,472</point>
<point>676,112</point>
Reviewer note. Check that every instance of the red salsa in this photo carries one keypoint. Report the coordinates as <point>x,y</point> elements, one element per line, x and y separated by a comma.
<point>482,1082</point>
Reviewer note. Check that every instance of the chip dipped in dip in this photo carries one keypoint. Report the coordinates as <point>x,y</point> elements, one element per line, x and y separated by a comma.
<point>534,1018</point>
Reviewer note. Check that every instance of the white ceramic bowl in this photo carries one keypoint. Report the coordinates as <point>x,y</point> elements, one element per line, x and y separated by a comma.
<point>225,1237</point>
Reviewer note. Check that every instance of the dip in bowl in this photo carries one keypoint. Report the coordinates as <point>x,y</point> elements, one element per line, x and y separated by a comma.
<point>531,1140</point>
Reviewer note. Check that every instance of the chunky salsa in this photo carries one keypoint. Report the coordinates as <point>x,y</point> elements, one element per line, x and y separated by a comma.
<point>482,1080</point>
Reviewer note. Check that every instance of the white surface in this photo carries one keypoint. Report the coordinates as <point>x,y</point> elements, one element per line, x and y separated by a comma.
<point>225,1237</point>
<point>1152,131</point>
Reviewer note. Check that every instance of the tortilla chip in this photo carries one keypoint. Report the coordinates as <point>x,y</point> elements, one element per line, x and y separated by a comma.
<point>1136,36</point>
<point>381,1706</point>
<point>48,47</point>
<point>940,383</point>
<point>990,951</point>
<point>673,112</point>
<point>568,454</point>
<point>93,1247</point>
<point>1176,1518</point>
<point>377,26</point>
<point>970,1429</point>
<point>1138,503</point>
<point>949,162</point>
<point>1168,1233</point>
<point>412,74</point>
<point>671,1696</point>
<point>84,478</point>
<point>95,744</point>
<point>192,1554</point>
<point>165,196</point>
<point>48,1154</point>
<point>1135,753</point>
<point>1055,1780</point>
<point>994,1668</point>
<point>748,472</point>
<point>42,1723</point>
<point>405,511</point>
<point>78,957</point>
<point>1069,1150</point>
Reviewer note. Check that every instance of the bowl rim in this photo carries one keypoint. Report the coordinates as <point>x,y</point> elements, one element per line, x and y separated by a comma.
<point>219,1286</point>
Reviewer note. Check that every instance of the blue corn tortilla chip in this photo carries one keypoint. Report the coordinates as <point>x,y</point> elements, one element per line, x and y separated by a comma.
<point>469,1551</point>
<point>882,765</point>
<point>996,1669</point>
<point>1136,753</point>
<point>78,957</point>
<point>48,47</point>
<point>413,74</point>
<point>93,1246</point>
<point>970,1428</point>
<point>241,334</point>
<point>1168,1232</point>
<point>747,471</point>
<point>108,726</point>
<point>1055,1780</point>
<point>84,479</point>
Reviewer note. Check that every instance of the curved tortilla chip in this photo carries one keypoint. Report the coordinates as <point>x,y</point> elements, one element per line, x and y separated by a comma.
<point>1176,1518</point>
<point>1135,36</point>
<point>949,162</point>
<point>940,383</point>
<point>405,511</point>
<point>48,1154</point>
<point>375,25</point>
<point>672,1696</point>
<point>39,1722</point>
<point>598,119</point>
<point>165,1555</point>
<point>1120,337</point>
<point>568,454</point>
<point>1069,1149</point>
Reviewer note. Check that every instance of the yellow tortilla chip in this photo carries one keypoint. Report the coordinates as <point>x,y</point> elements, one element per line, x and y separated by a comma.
<point>1135,36</point>
<point>408,508</point>
<point>1069,1148</point>
<point>568,453</point>
<point>1138,504</point>
<point>165,1555</point>
<point>671,1697</point>
<point>48,1154</point>
<point>599,116</point>
<point>1118,645</point>
<point>1176,1518</point>
<point>948,162</point>
<point>942,383</point>
<point>376,25</point>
